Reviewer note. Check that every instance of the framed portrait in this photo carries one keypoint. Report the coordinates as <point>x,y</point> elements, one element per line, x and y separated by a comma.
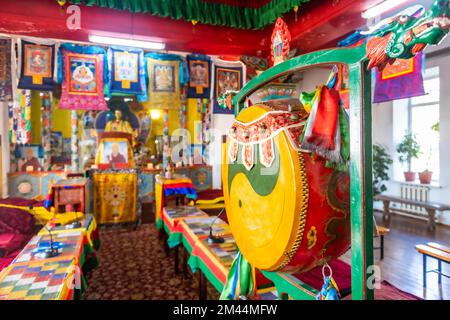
<point>115,152</point>
<point>56,143</point>
<point>197,153</point>
<point>30,157</point>
<point>66,149</point>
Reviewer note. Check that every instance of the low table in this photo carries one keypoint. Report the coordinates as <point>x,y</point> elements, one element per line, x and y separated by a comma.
<point>40,280</point>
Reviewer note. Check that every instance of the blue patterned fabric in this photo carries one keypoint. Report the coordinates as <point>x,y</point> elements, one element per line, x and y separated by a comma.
<point>38,64</point>
<point>199,74</point>
<point>135,81</point>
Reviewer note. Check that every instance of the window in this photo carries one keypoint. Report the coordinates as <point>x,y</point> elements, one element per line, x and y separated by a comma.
<point>423,117</point>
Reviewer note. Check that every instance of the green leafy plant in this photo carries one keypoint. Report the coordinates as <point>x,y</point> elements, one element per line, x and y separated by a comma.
<point>381,162</point>
<point>408,148</point>
<point>435,127</point>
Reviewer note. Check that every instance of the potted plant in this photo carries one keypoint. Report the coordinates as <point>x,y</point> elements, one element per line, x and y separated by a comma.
<point>408,149</point>
<point>426,175</point>
<point>381,161</point>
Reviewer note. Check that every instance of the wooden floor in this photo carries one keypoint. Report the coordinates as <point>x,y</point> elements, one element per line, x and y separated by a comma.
<point>402,264</point>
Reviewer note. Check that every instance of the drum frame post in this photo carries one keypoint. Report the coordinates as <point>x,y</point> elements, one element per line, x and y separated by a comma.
<point>361,200</point>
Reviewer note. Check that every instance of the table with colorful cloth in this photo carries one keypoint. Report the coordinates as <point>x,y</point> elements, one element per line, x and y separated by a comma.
<point>190,227</point>
<point>62,274</point>
<point>41,280</point>
<point>88,227</point>
<point>177,186</point>
<point>172,217</point>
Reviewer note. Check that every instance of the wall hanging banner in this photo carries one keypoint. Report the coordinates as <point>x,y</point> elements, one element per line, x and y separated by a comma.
<point>37,67</point>
<point>403,79</point>
<point>127,72</point>
<point>166,77</point>
<point>82,76</point>
<point>199,84</point>
<point>228,76</point>
<point>5,69</point>
<point>115,196</point>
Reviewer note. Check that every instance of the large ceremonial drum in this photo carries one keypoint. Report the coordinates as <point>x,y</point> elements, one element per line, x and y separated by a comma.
<point>287,211</point>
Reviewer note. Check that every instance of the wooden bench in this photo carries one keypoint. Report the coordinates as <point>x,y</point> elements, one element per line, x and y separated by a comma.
<point>381,232</point>
<point>437,251</point>
<point>430,207</point>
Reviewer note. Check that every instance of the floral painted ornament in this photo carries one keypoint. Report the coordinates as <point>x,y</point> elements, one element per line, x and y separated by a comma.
<point>280,42</point>
<point>225,100</point>
<point>261,132</point>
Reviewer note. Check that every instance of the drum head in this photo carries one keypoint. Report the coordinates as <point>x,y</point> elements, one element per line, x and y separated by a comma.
<point>266,206</point>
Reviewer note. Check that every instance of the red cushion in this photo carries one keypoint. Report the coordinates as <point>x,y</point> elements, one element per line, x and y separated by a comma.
<point>11,242</point>
<point>14,220</point>
<point>209,194</point>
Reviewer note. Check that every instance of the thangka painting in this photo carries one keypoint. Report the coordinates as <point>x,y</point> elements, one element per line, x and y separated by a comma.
<point>82,83</point>
<point>199,85</point>
<point>403,79</point>
<point>166,76</point>
<point>127,72</point>
<point>37,67</point>
<point>5,68</point>
<point>226,79</point>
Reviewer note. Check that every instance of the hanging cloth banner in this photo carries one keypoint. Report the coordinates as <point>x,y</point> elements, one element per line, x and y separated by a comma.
<point>326,132</point>
<point>166,76</point>
<point>241,280</point>
<point>228,77</point>
<point>127,72</point>
<point>400,80</point>
<point>5,69</point>
<point>82,76</point>
<point>37,66</point>
<point>199,85</point>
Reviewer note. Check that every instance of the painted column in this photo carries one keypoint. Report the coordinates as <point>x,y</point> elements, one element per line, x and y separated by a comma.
<point>46,128</point>
<point>13,125</point>
<point>24,125</point>
<point>166,149</point>
<point>182,115</point>
<point>75,161</point>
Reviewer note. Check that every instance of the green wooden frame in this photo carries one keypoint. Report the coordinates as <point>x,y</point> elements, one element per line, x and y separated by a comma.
<point>361,210</point>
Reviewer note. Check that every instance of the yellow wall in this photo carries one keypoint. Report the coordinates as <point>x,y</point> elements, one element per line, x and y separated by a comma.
<point>36,106</point>
<point>192,116</point>
<point>60,119</point>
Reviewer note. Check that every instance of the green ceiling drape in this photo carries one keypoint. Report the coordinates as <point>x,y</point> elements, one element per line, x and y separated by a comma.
<point>203,12</point>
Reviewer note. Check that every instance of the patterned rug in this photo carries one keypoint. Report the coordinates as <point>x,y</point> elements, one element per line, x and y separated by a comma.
<point>134,266</point>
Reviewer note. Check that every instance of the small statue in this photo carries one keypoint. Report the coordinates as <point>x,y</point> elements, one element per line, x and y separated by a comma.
<point>119,125</point>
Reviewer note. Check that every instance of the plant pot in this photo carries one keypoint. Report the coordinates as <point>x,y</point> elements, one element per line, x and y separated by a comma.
<point>425,177</point>
<point>409,176</point>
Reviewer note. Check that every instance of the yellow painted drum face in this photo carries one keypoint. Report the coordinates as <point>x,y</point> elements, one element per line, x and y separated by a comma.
<point>266,191</point>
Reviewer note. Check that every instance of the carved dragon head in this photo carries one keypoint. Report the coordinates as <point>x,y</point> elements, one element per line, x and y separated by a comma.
<point>403,36</point>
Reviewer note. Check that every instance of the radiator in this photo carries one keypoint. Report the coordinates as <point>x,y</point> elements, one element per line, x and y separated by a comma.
<point>414,192</point>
